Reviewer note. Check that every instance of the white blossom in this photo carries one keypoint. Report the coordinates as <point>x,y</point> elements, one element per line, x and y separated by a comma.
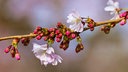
<point>112,8</point>
<point>75,21</point>
<point>46,54</point>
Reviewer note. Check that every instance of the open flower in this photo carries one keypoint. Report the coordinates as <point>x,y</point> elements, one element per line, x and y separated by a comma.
<point>75,21</point>
<point>113,7</point>
<point>46,54</point>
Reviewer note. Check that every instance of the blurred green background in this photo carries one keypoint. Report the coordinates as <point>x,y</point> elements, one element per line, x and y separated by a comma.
<point>102,53</point>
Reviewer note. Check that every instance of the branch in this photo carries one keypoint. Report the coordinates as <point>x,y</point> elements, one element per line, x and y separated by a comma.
<point>106,22</point>
<point>31,35</point>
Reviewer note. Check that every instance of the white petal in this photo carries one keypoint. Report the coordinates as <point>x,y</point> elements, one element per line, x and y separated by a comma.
<point>50,50</point>
<point>45,63</point>
<point>110,2</point>
<point>81,27</point>
<point>75,14</point>
<point>77,27</point>
<point>35,46</point>
<point>116,4</point>
<point>44,46</point>
<point>109,8</point>
<point>59,59</point>
<point>54,62</point>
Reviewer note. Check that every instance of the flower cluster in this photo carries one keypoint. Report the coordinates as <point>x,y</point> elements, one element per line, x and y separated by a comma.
<point>63,34</point>
<point>13,49</point>
<point>46,54</point>
<point>113,8</point>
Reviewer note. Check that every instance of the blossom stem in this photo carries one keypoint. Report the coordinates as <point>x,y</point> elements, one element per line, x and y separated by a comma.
<point>106,22</point>
<point>125,9</point>
<point>31,35</point>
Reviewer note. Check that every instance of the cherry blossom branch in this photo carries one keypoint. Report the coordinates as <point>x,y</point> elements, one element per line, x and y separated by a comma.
<point>31,35</point>
<point>106,22</point>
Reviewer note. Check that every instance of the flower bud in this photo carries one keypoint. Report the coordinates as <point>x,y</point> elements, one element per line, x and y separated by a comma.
<point>7,49</point>
<point>59,24</point>
<point>59,35</point>
<point>52,34</point>
<point>58,39</point>
<point>17,56</point>
<point>123,22</point>
<point>73,35</point>
<point>25,41</point>
<point>79,47</point>
<point>57,32</point>
<point>38,28</point>
<point>45,38</point>
<point>35,32</point>
<point>38,37</point>
<point>51,29</point>
<point>67,32</point>
<point>90,25</point>
<point>13,52</point>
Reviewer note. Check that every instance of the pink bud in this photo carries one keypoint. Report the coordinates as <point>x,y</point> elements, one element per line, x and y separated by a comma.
<point>73,35</point>
<point>59,24</point>
<point>57,32</point>
<point>41,34</point>
<point>90,25</point>
<point>45,38</point>
<point>121,15</point>
<point>60,35</point>
<point>52,34</point>
<point>17,56</point>
<point>68,33</point>
<point>7,49</point>
<point>35,32</point>
<point>127,17</point>
<point>123,22</point>
<point>52,29</point>
<point>58,39</point>
<point>38,37</point>
<point>38,28</point>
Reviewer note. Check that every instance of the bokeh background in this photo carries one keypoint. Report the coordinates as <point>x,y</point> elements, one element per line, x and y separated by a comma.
<point>102,53</point>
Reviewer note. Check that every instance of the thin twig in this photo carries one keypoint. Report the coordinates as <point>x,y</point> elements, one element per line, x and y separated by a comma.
<point>106,22</point>
<point>18,36</point>
<point>31,35</point>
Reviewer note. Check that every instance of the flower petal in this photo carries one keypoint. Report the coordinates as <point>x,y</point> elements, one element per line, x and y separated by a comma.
<point>54,62</point>
<point>116,4</point>
<point>50,50</point>
<point>110,2</point>
<point>109,8</point>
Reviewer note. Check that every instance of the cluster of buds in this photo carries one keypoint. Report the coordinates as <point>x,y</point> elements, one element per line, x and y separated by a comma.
<point>91,23</point>
<point>106,28</point>
<point>79,46</point>
<point>13,49</point>
<point>39,32</point>
<point>125,16</point>
<point>25,41</point>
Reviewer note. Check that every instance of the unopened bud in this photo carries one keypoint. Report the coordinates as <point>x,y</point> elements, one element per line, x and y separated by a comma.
<point>38,37</point>
<point>7,49</point>
<point>123,22</point>
<point>73,35</point>
<point>67,33</point>
<point>45,38</point>
<point>58,39</point>
<point>17,56</point>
